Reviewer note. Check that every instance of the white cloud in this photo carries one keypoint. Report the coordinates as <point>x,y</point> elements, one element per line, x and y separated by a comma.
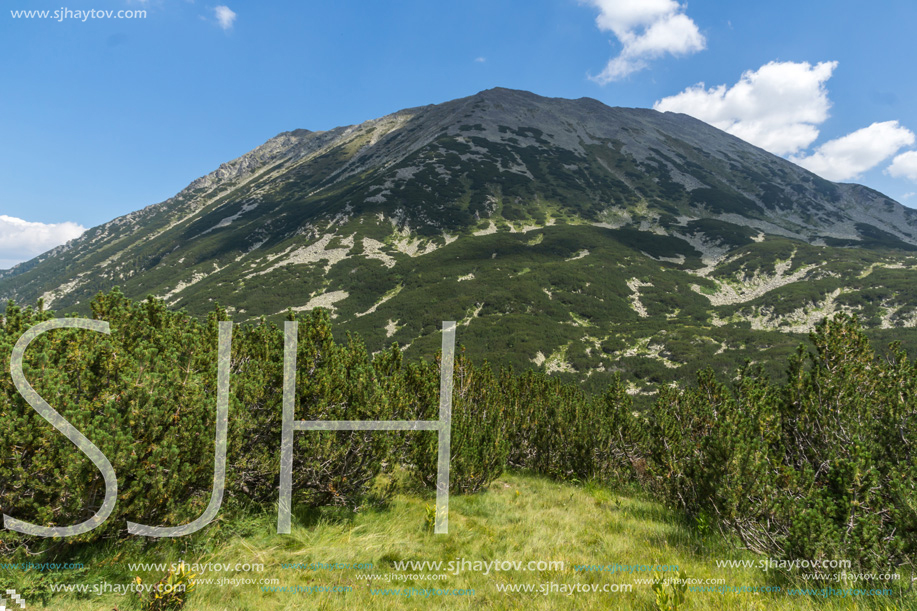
<point>847,157</point>
<point>480,60</point>
<point>225,17</point>
<point>647,29</point>
<point>779,108</point>
<point>776,107</point>
<point>22,240</point>
<point>904,166</point>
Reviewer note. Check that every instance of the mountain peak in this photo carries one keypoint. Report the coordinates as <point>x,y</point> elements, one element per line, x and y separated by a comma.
<point>502,209</point>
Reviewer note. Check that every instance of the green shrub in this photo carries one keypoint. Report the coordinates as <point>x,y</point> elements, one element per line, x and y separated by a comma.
<point>560,431</point>
<point>145,395</point>
<point>822,468</point>
<point>479,443</point>
<point>333,382</point>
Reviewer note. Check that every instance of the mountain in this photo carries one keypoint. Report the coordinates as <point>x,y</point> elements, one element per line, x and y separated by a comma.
<point>563,234</point>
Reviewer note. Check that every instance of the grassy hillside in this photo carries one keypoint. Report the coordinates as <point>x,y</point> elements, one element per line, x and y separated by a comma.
<point>519,518</point>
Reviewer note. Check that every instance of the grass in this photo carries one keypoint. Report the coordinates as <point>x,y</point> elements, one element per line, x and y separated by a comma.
<point>519,518</point>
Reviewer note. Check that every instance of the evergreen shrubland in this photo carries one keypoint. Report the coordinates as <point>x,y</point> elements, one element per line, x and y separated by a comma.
<point>822,466</point>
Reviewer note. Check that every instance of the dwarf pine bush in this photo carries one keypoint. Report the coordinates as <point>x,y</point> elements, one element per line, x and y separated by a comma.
<point>479,444</point>
<point>145,395</point>
<point>333,382</point>
<point>824,467</point>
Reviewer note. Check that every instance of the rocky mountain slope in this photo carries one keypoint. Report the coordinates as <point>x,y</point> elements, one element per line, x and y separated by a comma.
<point>563,234</point>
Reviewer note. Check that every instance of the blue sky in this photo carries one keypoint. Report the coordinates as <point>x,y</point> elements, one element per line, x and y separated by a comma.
<point>103,116</point>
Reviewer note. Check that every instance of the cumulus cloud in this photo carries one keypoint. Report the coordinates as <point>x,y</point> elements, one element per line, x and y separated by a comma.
<point>904,166</point>
<point>848,157</point>
<point>22,240</point>
<point>646,29</point>
<point>777,107</point>
<point>225,17</point>
<point>780,106</point>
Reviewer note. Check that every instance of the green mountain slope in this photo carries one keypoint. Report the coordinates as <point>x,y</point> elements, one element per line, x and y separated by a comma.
<point>564,234</point>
